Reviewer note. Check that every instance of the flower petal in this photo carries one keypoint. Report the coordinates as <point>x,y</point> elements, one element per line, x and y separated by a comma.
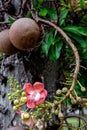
<point>43,97</point>
<point>31,104</point>
<point>28,87</point>
<point>38,86</point>
<point>44,93</point>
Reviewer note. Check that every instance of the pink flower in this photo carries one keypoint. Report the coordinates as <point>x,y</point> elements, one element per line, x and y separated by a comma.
<point>36,94</point>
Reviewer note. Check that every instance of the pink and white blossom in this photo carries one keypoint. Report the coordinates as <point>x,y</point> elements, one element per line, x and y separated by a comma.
<point>36,94</point>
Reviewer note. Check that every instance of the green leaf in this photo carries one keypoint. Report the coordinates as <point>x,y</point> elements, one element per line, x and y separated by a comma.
<point>40,1</point>
<point>43,12</point>
<point>44,48</point>
<point>52,13</point>
<point>11,20</point>
<point>47,43</point>
<point>79,39</point>
<point>77,88</point>
<point>82,3</point>
<point>84,56</point>
<point>76,30</point>
<point>63,15</point>
<point>55,51</point>
<point>28,15</point>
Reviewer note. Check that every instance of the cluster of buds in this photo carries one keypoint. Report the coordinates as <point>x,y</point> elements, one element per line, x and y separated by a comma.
<point>19,102</point>
<point>28,102</point>
<point>61,92</point>
<point>37,111</point>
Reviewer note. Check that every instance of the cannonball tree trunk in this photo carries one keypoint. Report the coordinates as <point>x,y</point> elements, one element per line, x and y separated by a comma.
<point>24,67</point>
<point>35,69</point>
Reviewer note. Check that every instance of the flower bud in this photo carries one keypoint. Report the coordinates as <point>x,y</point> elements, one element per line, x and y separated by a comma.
<point>23,94</point>
<point>64,90</point>
<point>24,116</point>
<point>58,92</point>
<point>9,94</point>
<point>18,86</point>
<point>23,99</point>
<point>83,89</point>
<point>10,97</point>
<point>15,108</point>
<point>16,102</point>
<point>18,91</point>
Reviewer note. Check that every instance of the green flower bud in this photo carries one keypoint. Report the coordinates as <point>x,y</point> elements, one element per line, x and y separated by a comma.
<point>23,99</point>
<point>24,116</point>
<point>15,108</point>
<point>64,90</point>
<point>9,94</point>
<point>23,94</point>
<point>83,89</point>
<point>18,91</point>
<point>10,97</point>
<point>16,102</point>
<point>58,92</point>
<point>18,86</point>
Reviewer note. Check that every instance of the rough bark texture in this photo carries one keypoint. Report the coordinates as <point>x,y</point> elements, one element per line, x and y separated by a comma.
<point>25,67</point>
<point>24,71</point>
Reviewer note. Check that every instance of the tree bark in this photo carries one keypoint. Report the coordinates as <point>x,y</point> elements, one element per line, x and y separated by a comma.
<point>24,67</point>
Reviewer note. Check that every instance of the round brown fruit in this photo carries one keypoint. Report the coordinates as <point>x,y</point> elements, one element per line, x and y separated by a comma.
<point>5,44</point>
<point>24,34</point>
<point>16,128</point>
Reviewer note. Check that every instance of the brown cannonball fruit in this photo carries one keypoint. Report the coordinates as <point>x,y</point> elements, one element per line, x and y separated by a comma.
<point>24,34</point>
<point>16,128</point>
<point>5,44</point>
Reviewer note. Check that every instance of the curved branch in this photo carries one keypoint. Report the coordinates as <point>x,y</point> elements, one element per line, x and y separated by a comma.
<point>75,51</point>
<point>76,116</point>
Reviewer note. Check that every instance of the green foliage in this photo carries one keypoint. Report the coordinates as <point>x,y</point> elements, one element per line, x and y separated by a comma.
<point>76,30</point>
<point>71,17</point>
<point>82,3</point>
<point>28,15</point>
<point>52,45</point>
<point>66,19</point>
<point>11,20</point>
<point>63,16</point>
<point>40,1</point>
<point>43,12</point>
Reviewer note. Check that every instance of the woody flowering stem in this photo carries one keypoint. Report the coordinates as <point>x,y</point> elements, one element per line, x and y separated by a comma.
<point>74,49</point>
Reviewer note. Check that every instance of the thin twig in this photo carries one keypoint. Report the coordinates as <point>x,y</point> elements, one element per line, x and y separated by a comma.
<point>75,51</point>
<point>4,22</point>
